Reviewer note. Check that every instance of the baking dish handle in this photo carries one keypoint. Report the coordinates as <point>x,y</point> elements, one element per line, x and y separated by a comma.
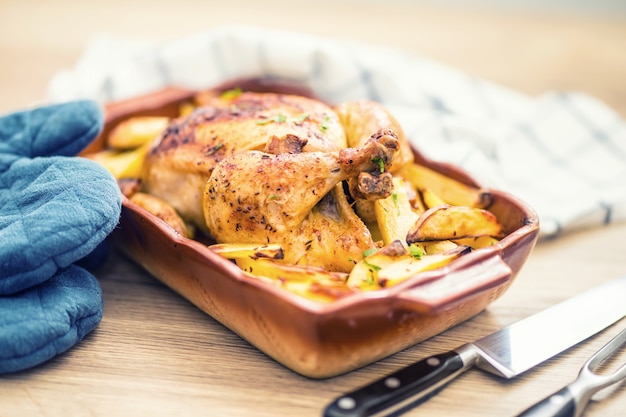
<point>486,275</point>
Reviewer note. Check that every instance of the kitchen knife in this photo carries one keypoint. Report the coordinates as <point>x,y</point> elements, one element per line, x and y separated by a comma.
<point>506,353</point>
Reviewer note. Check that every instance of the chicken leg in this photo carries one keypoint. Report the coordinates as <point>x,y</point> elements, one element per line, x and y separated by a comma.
<point>297,200</point>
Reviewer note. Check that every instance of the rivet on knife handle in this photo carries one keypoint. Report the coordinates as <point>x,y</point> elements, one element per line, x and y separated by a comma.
<point>400,389</point>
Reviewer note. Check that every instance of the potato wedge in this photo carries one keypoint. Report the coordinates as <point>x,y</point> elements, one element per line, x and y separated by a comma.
<point>393,264</point>
<point>448,189</point>
<point>186,108</point>
<point>394,214</point>
<point>248,250</point>
<point>364,275</point>
<point>163,211</point>
<point>431,199</point>
<point>439,246</point>
<point>405,268</point>
<point>135,131</point>
<point>321,292</point>
<point>477,242</point>
<point>288,272</point>
<point>122,164</point>
<point>454,222</point>
<point>313,283</point>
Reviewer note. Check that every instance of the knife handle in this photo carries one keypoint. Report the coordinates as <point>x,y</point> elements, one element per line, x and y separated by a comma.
<point>560,404</point>
<point>401,389</point>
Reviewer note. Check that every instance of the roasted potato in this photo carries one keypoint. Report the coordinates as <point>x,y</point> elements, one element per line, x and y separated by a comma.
<point>136,131</point>
<point>163,211</point>
<point>248,250</point>
<point>395,215</point>
<point>122,164</point>
<point>454,222</point>
<point>395,263</point>
<point>448,189</point>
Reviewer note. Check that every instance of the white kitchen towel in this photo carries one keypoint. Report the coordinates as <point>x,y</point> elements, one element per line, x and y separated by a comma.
<point>563,153</point>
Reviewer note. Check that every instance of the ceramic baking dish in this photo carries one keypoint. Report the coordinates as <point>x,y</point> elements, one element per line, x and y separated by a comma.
<point>313,339</point>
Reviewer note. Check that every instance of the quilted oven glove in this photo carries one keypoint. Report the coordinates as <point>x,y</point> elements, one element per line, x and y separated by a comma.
<point>55,213</point>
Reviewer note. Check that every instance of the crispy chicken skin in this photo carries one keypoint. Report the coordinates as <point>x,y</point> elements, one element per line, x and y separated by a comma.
<point>270,168</point>
<point>257,197</point>
<point>182,159</point>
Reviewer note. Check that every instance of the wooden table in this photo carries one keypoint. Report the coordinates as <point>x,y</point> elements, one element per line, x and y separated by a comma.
<point>155,354</point>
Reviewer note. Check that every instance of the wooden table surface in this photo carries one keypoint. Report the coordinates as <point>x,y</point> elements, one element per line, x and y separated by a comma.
<point>155,354</point>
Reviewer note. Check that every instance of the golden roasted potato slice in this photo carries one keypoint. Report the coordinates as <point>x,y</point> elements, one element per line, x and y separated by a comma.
<point>394,264</point>
<point>163,211</point>
<point>135,131</point>
<point>122,164</point>
<point>431,199</point>
<point>439,246</point>
<point>477,242</point>
<point>288,272</point>
<point>186,108</point>
<point>448,189</point>
<point>321,292</point>
<point>364,275</point>
<point>454,222</point>
<point>409,266</point>
<point>248,250</point>
<point>313,283</point>
<point>394,214</point>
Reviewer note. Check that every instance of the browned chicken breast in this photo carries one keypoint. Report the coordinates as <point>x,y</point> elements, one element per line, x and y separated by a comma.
<point>182,159</point>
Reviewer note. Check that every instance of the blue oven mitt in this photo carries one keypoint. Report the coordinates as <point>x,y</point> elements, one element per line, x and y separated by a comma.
<point>55,213</point>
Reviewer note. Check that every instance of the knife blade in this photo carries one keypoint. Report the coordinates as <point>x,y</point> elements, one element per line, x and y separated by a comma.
<point>505,353</point>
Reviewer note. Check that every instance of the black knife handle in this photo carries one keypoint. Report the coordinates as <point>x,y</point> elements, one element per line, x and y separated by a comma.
<point>559,404</point>
<point>398,390</point>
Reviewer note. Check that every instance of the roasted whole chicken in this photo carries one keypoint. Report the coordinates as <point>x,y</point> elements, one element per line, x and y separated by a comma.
<point>274,168</point>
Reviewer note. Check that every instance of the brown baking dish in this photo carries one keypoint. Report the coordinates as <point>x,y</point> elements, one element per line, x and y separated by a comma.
<point>320,340</point>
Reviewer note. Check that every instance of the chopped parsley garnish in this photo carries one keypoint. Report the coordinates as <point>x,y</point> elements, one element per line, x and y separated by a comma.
<point>372,266</point>
<point>394,197</point>
<point>368,252</point>
<point>379,161</point>
<point>324,125</point>
<point>416,251</point>
<point>301,119</point>
<point>231,94</point>
<point>214,149</point>
<point>279,118</point>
